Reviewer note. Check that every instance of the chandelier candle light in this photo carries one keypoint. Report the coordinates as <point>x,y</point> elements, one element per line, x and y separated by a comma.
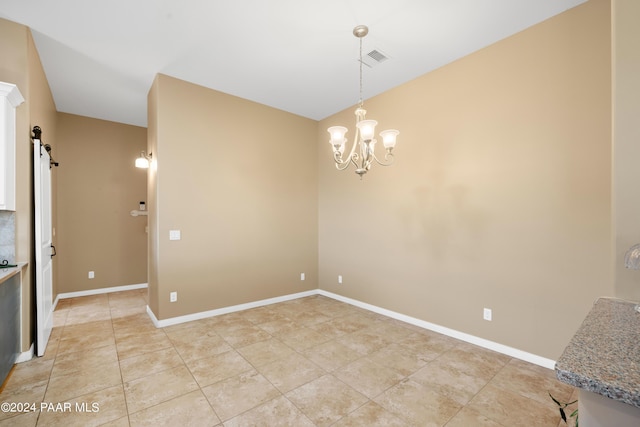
<point>365,133</point>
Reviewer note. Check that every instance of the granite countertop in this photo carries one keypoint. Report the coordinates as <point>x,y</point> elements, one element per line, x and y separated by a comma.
<point>603,357</point>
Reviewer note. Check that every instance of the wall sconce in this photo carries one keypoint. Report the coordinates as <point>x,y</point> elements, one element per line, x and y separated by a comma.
<point>144,160</point>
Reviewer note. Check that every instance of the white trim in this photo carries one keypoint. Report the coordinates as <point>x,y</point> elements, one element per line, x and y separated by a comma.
<point>225,310</point>
<point>12,93</point>
<point>491,345</point>
<point>153,317</point>
<point>25,355</point>
<point>100,291</point>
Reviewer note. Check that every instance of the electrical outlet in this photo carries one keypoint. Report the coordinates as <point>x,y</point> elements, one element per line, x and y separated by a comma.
<point>486,315</point>
<point>301,276</point>
<point>173,297</point>
<point>92,275</point>
<point>339,279</point>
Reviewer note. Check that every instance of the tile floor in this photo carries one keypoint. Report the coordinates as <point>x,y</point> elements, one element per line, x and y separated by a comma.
<point>308,362</point>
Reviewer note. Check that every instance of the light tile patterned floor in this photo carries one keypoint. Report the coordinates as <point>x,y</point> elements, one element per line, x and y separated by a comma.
<point>308,362</point>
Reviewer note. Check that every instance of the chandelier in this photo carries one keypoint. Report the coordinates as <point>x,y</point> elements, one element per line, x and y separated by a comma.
<point>364,135</point>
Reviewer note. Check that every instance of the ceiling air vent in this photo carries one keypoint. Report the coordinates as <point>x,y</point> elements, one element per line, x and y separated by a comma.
<point>374,58</point>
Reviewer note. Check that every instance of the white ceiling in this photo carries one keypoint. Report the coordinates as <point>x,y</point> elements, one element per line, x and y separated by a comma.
<point>100,57</point>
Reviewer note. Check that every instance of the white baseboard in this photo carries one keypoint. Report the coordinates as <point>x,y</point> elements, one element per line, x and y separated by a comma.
<point>153,317</point>
<point>481,342</point>
<point>55,303</point>
<point>100,291</point>
<point>25,355</point>
<point>225,310</point>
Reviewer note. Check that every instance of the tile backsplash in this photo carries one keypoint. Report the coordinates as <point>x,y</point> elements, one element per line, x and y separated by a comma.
<point>8,236</point>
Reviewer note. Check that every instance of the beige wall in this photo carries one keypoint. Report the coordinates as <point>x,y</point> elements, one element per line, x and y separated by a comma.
<point>98,185</point>
<point>239,180</point>
<point>500,195</point>
<point>626,142</point>
<point>43,114</point>
<point>20,65</point>
<point>153,245</point>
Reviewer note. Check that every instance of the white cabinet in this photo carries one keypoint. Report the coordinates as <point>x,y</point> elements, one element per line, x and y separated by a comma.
<point>10,98</point>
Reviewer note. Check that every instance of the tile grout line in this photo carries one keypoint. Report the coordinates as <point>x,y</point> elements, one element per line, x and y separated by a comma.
<point>200,387</point>
<point>122,383</point>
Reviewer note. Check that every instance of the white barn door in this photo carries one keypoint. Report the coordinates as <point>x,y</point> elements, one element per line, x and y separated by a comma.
<point>43,238</point>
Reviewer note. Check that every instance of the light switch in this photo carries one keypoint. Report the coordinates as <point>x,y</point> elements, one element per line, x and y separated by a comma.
<point>174,234</point>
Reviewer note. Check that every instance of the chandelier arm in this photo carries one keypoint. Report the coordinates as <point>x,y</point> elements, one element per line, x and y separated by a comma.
<point>337,157</point>
<point>342,164</point>
<point>388,159</point>
<point>356,138</point>
<point>354,159</point>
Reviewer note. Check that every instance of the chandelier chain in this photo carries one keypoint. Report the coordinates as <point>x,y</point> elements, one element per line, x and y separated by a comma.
<point>360,103</point>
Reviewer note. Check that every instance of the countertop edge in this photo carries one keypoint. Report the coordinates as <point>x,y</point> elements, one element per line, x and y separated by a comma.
<point>6,274</point>
<point>598,387</point>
